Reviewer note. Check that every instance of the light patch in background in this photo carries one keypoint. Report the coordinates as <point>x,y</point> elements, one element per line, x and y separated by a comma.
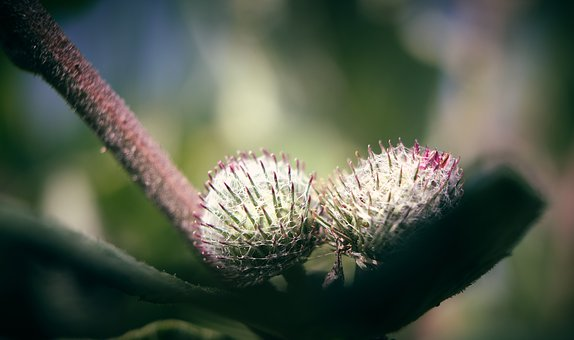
<point>164,126</point>
<point>248,109</point>
<point>486,92</point>
<point>423,34</point>
<point>69,198</point>
<point>314,141</point>
<point>262,14</point>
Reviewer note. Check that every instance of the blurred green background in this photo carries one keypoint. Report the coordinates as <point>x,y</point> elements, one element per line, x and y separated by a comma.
<point>486,80</point>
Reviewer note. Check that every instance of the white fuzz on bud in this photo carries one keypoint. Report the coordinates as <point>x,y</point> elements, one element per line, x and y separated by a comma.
<point>256,219</point>
<point>386,197</point>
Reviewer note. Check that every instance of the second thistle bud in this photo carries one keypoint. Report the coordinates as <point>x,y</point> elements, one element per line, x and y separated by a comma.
<point>387,196</point>
<point>256,219</point>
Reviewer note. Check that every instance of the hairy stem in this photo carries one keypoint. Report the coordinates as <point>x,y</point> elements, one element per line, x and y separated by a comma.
<point>35,42</point>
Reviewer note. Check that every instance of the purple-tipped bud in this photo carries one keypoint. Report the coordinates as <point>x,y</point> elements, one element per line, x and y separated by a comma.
<point>256,220</point>
<point>388,196</point>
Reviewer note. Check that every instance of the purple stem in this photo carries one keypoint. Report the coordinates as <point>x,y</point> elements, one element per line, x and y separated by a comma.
<point>34,41</point>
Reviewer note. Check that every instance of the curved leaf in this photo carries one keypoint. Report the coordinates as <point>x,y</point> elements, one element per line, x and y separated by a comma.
<point>100,260</point>
<point>430,266</point>
<point>447,256</point>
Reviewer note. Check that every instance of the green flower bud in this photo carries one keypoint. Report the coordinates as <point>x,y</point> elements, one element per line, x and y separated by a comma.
<point>388,196</point>
<point>256,219</point>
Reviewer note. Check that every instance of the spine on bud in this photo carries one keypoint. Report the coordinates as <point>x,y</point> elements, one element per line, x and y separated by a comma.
<point>256,219</point>
<point>386,196</point>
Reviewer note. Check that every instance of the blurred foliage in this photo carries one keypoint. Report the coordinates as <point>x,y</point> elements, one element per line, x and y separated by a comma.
<point>316,80</point>
<point>172,329</point>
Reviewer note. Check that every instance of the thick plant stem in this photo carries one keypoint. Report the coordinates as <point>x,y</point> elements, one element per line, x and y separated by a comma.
<point>35,42</point>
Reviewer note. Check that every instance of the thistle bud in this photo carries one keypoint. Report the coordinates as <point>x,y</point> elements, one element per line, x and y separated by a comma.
<point>256,219</point>
<point>387,196</point>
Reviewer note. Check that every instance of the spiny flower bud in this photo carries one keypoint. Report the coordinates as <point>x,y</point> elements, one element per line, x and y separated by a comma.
<point>386,197</point>
<point>256,219</point>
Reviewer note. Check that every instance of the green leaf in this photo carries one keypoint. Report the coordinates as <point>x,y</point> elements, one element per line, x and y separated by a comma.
<point>100,260</point>
<point>441,260</point>
<point>447,256</point>
<point>431,265</point>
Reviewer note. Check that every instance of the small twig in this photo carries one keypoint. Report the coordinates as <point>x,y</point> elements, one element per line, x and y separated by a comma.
<point>335,278</point>
<point>35,42</point>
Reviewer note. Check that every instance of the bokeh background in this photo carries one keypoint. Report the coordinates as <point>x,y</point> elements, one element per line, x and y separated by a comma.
<point>486,80</point>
